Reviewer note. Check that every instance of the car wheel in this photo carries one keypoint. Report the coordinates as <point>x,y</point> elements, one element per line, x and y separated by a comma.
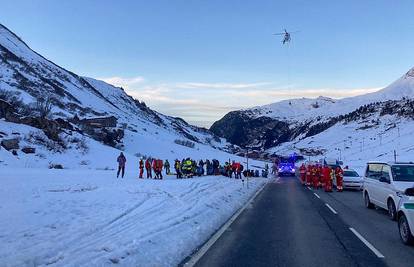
<point>367,201</point>
<point>392,212</point>
<point>404,229</point>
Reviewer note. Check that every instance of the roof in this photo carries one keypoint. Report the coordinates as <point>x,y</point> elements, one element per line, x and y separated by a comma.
<point>390,162</point>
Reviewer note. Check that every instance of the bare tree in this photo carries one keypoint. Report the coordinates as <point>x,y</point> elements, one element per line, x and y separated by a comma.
<point>44,105</point>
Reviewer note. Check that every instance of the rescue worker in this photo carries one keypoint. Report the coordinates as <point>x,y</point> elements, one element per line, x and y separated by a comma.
<point>154,168</point>
<point>233,169</point>
<point>157,166</point>
<point>302,173</point>
<point>339,175</point>
<point>239,171</point>
<point>148,164</point>
<point>177,167</point>
<point>315,177</point>
<point>141,168</point>
<point>167,167</point>
<point>121,165</point>
<point>321,180</point>
<point>227,169</point>
<point>309,175</point>
<point>327,177</point>
<point>187,168</point>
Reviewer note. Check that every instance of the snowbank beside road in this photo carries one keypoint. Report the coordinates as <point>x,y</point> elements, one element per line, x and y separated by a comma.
<point>90,218</point>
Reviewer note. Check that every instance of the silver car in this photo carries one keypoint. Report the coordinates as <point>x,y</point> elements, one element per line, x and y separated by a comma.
<point>352,180</point>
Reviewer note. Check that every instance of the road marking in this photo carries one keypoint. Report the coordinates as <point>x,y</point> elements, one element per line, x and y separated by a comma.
<point>200,253</point>
<point>316,195</point>
<point>369,245</point>
<point>329,207</point>
<point>309,188</point>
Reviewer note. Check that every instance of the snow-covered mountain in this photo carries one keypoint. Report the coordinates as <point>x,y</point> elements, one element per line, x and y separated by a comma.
<point>41,102</point>
<point>299,124</point>
<point>297,110</point>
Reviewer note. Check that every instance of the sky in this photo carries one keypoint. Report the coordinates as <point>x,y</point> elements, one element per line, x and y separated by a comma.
<point>200,59</point>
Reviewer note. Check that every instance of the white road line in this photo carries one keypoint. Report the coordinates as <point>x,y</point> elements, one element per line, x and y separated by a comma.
<point>316,195</point>
<point>369,245</point>
<point>309,188</point>
<point>200,253</point>
<point>329,207</point>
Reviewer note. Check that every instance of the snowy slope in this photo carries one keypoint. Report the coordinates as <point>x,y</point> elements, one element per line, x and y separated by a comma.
<point>31,77</point>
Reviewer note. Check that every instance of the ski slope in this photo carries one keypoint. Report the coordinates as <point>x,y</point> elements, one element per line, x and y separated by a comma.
<point>90,218</point>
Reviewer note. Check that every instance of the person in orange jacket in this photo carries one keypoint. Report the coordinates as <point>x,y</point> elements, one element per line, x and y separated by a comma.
<point>141,168</point>
<point>327,177</point>
<point>302,173</point>
<point>339,175</point>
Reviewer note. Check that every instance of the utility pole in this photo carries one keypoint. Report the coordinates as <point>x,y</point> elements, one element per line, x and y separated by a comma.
<point>395,156</point>
<point>247,157</point>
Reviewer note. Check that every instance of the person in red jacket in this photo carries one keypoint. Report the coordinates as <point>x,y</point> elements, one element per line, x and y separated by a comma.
<point>339,175</point>
<point>321,180</point>
<point>148,168</point>
<point>154,168</point>
<point>309,175</point>
<point>121,165</point>
<point>160,166</point>
<point>326,173</point>
<point>319,175</point>
<point>141,168</point>
<point>315,177</point>
<point>302,173</point>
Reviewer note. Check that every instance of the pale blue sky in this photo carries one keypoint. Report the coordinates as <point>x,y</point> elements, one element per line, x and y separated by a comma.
<point>200,59</point>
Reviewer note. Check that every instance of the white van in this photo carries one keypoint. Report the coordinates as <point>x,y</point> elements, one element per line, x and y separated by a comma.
<point>385,183</point>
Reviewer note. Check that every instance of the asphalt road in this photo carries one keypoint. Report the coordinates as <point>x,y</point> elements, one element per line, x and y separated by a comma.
<point>374,224</point>
<point>287,225</point>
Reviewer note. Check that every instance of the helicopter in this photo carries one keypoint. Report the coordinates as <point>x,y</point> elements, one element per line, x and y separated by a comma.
<point>286,36</point>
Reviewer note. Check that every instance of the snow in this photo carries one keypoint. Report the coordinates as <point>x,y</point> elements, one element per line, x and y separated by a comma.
<point>303,109</point>
<point>91,218</point>
<point>356,147</point>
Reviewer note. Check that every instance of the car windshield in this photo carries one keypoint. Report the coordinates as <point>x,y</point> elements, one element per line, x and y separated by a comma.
<point>351,174</point>
<point>403,173</point>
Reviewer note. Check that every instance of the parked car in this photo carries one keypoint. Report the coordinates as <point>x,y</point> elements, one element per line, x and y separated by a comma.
<point>405,217</point>
<point>352,180</point>
<point>385,183</point>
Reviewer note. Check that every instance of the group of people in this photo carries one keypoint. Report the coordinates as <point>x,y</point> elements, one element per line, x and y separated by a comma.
<point>153,165</point>
<point>188,168</point>
<point>319,176</point>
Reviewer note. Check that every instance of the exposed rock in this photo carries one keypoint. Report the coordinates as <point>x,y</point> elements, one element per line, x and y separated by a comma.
<point>240,129</point>
<point>29,150</point>
<point>7,111</point>
<point>97,122</point>
<point>56,166</point>
<point>10,144</point>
